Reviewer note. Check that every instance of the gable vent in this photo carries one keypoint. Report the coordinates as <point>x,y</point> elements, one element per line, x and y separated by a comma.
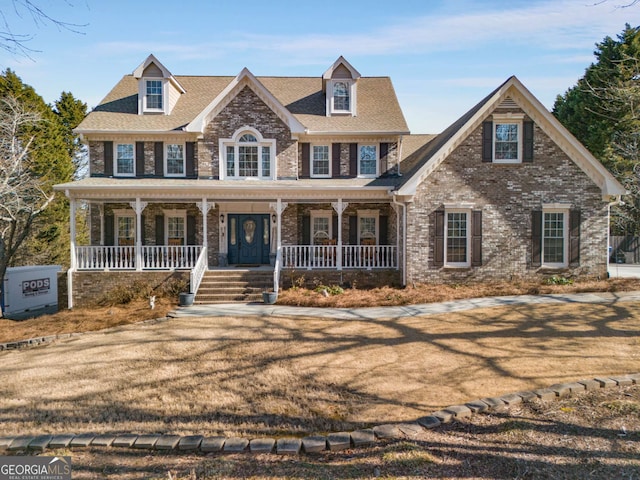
<point>508,103</point>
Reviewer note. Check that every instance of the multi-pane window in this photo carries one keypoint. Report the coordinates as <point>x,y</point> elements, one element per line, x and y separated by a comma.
<point>506,142</point>
<point>320,229</point>
<point>341,101</point>
<point>125,160</point>
<point>320,161</point>
<point>266,161</point>
<point>367,160</point>
<point>175,230</point>
<point>367,229</point>
<point>553,238</point>
<point>126,230</point>
<point>457,238</point>
<point>175,159</point>
<point>247,157</point>
<point>154,94</point>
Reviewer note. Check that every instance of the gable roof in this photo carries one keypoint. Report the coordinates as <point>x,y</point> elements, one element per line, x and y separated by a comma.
<point>151,59</point>
<point>438,149</point>
<point>341,61</point>
<point>244,78</point>
<point>296,98</point>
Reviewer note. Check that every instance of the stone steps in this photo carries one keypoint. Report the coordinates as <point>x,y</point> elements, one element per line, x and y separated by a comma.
<point>233,286</point>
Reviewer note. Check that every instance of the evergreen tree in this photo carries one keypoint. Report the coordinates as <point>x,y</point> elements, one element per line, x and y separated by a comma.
<point>603,111</point>
<point>50,160</point>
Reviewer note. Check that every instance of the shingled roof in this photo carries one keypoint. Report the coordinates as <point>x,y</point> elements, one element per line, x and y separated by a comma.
<point>378,107</point>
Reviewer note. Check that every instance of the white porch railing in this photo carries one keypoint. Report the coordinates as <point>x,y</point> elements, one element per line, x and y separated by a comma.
<point>198,271</point>
<point>325,256</point>
<point>167,257</point>
<point>106,258</point>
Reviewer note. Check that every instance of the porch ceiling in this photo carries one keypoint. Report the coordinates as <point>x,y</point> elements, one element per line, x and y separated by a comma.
<point>111,189</point>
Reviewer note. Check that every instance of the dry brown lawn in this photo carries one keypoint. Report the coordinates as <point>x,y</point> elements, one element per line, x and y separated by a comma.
<point>595,435</point>
<point>283,376</point>
<point>275,376</point>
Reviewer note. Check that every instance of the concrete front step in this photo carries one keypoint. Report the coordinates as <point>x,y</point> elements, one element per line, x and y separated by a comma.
<point>233,286</point>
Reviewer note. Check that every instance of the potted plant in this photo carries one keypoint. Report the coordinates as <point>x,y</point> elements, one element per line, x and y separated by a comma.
<point>269,297</point>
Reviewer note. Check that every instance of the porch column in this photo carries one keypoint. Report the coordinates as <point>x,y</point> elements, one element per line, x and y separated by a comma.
<point>279,207</point>
<point>72,234</point>
<point>101,212</point>
<point>204,208</point>
<point>138,207</point>
<point>73,259</point>
<point>396,208</point>
<point>339,207</point>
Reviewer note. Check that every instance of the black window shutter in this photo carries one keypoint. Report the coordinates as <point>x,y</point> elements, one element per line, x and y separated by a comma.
<point>306,160</point>
<point>384,161</point>
<point>487,142</point>
<point>335,160</point>
<point>108,159</point>
<point>574,237</point>
<point>109,227</point>
<point>476,238</point>
<point>306,230</point>
<point>159,230</point>
<point>527,137</point>
<point>353,230</point>
<point>438,253</point>
<point>191,230</point>
<point>190,159</point>
<point>353,159</point>
<point>142,229</point>
<point>158,149</point>
<point>384,230</point>
<point>536,238</point>
<point>139,159</point>
<point>334,222</point>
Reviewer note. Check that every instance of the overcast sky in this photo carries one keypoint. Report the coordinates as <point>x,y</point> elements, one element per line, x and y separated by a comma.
<point>443,56</point>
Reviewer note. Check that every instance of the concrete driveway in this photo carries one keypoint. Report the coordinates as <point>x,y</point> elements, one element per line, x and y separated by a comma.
<point>624,270</point>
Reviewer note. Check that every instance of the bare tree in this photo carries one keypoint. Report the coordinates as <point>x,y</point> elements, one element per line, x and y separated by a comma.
<point>24,192</point>
<point>17,43</point>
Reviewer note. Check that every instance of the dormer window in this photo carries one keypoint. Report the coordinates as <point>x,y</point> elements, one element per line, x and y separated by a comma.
<point>158,90</point>
<point>341,97</point>
<point>339,83</point>
<point>153,97</point>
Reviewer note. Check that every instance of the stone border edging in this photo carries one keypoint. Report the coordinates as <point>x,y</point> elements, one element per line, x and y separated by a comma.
<point>311,444</point>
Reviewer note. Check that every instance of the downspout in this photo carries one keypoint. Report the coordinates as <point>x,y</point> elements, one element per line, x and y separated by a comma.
<point>617,201</point>
<point>404,238</point>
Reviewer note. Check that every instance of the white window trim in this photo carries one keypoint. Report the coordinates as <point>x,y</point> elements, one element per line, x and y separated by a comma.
<point>116,173</point>
<point>234,142</point>
<point>447,263</point>
<point>370,214</point>
<point>321,214</point>
<point>508,119</point>
<point>556,208</point>
<point>351,84</point>
<point>311,160</point>
<point>142,94</point>
<point>174,214</point>
<point>117,215</point>
<point>370,175</point>
<point>184,161</point>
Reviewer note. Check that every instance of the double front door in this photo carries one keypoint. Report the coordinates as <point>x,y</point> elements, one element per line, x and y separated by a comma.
<point>248,239</point>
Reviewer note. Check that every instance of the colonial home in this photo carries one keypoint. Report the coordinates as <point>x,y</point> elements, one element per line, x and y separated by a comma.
<point>318,179</point>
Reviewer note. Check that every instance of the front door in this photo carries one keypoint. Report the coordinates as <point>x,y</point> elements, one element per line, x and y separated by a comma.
<point>248,239</point>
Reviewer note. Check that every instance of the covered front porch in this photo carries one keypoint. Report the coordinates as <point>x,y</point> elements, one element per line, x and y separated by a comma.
<point>171,231</point>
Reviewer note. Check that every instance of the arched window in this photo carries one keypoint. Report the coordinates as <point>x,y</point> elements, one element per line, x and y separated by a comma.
<point>248,155</point>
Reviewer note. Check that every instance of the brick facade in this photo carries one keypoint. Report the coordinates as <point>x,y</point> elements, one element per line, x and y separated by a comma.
<point>506,194</point>
<point>247,109</point>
